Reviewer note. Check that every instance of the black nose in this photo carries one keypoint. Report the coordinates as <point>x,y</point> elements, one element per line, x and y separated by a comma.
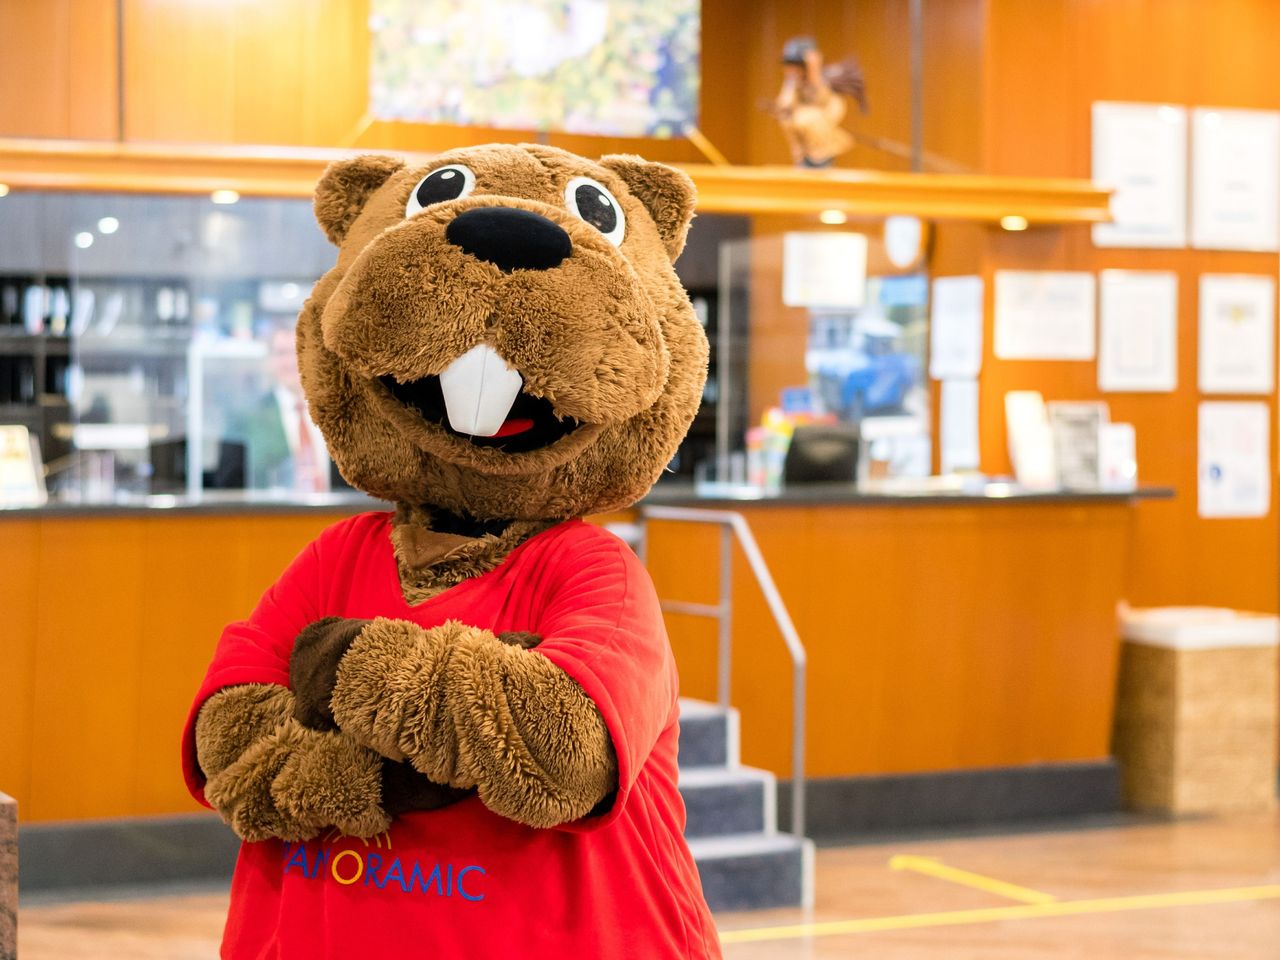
<point>509,238</point>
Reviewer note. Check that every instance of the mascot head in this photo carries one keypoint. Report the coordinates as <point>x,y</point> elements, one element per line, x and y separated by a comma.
<point>503,335</point>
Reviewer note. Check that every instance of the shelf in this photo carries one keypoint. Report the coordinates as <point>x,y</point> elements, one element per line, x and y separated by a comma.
<point>293,172</point>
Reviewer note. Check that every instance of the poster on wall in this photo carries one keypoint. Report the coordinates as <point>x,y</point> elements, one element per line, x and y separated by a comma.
<point>958,445</point>
<point>1234,459</point>
<point>1140,151</point>
<point>824,270</point>
<point>1237,333</point>
<point>955,331</point>
<point>1138,338</point>
<point>1044,315</point>
<point>606,67</point>
<point>1235,195</point>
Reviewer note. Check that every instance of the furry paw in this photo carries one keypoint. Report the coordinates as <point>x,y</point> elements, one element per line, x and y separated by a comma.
<point>328,780</point>
<point>313,667</point>
<point>242,795</point>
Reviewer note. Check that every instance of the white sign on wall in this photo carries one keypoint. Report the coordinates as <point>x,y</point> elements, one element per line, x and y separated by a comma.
<point>1044,315</point>
<point>824,270</point>
<point>1138,339</point>
<point>1235,196</point>
<point>1140,151</point>
<point>1237,333</point>
<point>955,328</point>
<point>1234,459</point>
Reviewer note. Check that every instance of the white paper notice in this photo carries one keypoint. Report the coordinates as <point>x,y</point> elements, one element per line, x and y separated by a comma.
<point>1237,333</point>
<point>824,269</point>
<point>955,330</point>
<point>1235,458</point>
<point>1044,315</point>
<point>1138,342</point>
<point>1235,195</point>
<point>959,416</point>
<point>1140,151</point>
<point>21,479</point>
<point>1030,440</point>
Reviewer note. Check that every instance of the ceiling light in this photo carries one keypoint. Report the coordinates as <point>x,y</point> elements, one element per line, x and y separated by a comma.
<point>108,225</point>
<point>1013,222</point>
<point>84,240</point>
<point>225,196</point>
<point>833,217</point>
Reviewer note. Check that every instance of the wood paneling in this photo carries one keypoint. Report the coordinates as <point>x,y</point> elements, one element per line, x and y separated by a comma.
<point>1047,63</point>
<point>110,623</point>
<point>19,545</point>
<point>286,72</point>
<point>939,637</point>
<point>109,626</point>
<point>58,69</point>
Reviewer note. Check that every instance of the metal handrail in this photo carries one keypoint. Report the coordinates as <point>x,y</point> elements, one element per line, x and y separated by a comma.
<point>732,525</point>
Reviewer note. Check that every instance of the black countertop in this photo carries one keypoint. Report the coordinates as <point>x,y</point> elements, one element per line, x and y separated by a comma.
<point>671,494</point>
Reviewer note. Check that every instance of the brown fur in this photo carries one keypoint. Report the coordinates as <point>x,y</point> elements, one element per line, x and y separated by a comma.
<point>313,666</point>
<point>469,710</point>
<point>430,563</point>
<point>269,776</point>
<point>608,337</point>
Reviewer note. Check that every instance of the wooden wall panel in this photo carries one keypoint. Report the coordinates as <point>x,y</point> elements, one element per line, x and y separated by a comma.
<point>288,72</point>
<point>1047,63</point>
<point>88,675</point>
<point>58,69</point>
<point>19,546</point>
<point>110,624</point>
<point>939,638</point>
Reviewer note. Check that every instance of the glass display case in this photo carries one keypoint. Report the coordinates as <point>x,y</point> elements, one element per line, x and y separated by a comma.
<point>146,341</point>
<point>822,373</point>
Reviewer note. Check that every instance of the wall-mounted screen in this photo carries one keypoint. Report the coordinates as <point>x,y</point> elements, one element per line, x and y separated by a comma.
<point>608,67</point>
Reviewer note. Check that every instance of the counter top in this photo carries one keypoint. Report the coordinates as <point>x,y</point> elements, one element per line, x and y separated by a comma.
<point>845,494</point>
<point>670,494</point>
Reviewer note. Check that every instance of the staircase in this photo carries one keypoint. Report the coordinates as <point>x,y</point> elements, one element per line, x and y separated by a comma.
<point>732,828</point>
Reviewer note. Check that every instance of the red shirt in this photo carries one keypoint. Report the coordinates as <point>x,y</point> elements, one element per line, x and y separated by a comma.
<point>462,881</point>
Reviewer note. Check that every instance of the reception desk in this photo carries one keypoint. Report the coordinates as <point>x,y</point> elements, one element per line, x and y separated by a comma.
<point>944,633</point>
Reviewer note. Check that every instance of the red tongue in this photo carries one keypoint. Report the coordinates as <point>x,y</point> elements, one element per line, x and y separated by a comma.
<point>514,426</point>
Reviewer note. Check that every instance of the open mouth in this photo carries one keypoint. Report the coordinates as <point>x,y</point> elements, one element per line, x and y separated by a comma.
<point>479,399</point>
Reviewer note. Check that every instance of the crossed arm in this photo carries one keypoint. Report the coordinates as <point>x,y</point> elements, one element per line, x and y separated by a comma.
<point>466,708</point>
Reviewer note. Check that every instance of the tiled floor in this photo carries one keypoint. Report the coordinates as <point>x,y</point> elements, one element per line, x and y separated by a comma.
<point>1195,890</point>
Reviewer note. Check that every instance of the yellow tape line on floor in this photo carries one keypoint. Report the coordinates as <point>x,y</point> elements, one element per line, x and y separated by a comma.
<point>1031,911</point>
<point>933,867</point>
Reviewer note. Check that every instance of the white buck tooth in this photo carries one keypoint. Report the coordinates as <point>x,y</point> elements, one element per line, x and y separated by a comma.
<point>479,389</point>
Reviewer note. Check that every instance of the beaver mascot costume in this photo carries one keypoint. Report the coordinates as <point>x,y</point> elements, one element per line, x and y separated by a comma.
<point>450,731</point>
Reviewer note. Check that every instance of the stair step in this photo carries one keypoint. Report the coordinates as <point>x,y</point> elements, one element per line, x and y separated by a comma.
<point>708,734</point>
<point>722,800</point>
<point>755,871</point>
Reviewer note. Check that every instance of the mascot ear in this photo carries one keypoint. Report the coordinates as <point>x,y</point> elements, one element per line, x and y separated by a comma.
<point>345,187</point>
<point>667,193</point>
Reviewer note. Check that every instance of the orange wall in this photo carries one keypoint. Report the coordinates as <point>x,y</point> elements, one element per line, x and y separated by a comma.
<point>1047,62</point>
<point>1008,90</point>
<point>58,69</point>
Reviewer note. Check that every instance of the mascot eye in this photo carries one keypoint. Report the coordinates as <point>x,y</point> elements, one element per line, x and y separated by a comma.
<point>595,204</point>
<point>446,183</point>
